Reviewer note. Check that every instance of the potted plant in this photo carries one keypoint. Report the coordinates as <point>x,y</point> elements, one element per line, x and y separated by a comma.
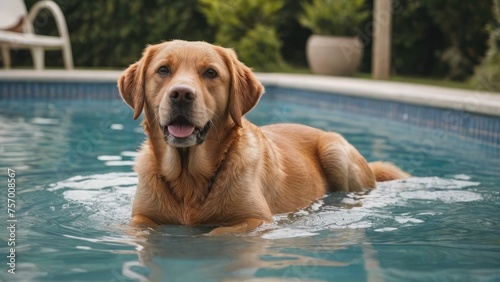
<point>333,49</point>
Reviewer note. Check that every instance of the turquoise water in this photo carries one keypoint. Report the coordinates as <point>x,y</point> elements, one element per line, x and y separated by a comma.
<point>75,185</point>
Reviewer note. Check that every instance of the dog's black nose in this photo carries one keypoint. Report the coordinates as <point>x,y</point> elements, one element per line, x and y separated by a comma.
<point>182,95</point>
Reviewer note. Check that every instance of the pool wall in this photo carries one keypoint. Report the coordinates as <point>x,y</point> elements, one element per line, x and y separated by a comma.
<point>468,114</point>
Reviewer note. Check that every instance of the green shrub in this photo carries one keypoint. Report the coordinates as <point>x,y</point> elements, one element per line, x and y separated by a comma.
<point>487,75</point>
<point>292,34</point>
<point>113,33</point>
<point>248,26</point>
<point>260,47</point>
<point>441,38</point>
<point>333,17</point>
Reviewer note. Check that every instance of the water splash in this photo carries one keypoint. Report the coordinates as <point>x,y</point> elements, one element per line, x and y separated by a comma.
<point>105,198</point>
<point>374,209</point>
<point>108,197</point>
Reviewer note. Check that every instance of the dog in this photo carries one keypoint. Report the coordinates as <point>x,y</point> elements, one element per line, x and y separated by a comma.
<point>203,163</point>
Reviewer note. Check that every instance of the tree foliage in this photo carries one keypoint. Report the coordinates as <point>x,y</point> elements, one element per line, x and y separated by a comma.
<point>487,75</point>
<point>248,26</point>
<point>441,38</point>
<point>113,33</point>
<point>333,17</point>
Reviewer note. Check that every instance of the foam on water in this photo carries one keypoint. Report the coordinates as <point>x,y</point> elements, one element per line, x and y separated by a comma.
<point>439,228</point>
<point>108,197</point>
<point>375,208</point>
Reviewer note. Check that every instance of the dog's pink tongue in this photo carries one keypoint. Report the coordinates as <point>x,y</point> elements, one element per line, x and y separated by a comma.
<point>181,131</point>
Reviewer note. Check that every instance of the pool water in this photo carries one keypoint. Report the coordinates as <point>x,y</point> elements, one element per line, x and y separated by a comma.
<point>75,186</point>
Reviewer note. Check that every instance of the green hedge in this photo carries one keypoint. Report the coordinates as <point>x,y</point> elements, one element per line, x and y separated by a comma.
<point>248,26</point>
<point>113,33</point>
<point>441,38</point>
<point>487,76</point>
<point>445,38</point>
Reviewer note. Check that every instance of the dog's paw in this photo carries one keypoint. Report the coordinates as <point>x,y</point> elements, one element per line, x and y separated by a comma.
<point>240,228</point>
<point>142,222</point>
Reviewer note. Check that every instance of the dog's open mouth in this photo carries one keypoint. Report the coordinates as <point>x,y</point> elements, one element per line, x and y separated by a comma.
<point>181,128</point>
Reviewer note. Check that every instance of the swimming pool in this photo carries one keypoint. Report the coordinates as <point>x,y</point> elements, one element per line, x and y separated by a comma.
<point>74,189</point>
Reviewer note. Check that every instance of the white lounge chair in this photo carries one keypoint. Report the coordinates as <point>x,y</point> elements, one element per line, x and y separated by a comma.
<point>16,32</point>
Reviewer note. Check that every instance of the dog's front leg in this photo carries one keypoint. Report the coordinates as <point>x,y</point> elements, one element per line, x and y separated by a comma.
<point>243,227</point>
<point>140,220</point>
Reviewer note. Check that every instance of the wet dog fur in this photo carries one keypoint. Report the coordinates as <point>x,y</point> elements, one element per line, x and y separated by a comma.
<point>203,163</point>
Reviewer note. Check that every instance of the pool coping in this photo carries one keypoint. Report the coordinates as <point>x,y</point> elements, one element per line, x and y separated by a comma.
<point>480,102</point>
<point>473,101</point>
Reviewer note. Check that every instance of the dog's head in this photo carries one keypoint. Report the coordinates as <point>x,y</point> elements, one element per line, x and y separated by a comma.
<point>186,88</point>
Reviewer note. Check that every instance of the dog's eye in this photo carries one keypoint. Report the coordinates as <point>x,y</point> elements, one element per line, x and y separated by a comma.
<point>163,70</point>
<point>211,73</point>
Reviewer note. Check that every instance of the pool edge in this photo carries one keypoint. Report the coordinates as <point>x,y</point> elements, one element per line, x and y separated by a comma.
<point>473,101</point>
<point>470,114</point>
<point>479,102</point>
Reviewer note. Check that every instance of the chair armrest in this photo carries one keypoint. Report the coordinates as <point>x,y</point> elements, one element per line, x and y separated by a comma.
<point>54,9</point>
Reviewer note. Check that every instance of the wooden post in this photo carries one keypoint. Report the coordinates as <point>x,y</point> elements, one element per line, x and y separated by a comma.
<point>381,50</point>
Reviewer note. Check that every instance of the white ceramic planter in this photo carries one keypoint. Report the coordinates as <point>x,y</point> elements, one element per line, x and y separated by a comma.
<point>334,55</point>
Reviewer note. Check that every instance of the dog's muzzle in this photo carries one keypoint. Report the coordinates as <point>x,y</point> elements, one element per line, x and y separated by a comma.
<point>182,133</point>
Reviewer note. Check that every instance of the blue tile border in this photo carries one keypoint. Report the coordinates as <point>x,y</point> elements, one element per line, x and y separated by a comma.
<point>24,90</point>
<point>482,128</point>
<point>477,127</point>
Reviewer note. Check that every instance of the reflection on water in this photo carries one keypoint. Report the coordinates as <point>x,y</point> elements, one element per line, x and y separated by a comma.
<point>110,196</point>
<point>73,162</point>
<point>328,234</point>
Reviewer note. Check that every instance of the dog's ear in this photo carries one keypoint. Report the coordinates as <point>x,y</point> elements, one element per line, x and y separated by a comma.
<point>245,90</point>
<point>131,87</point>
<point>131,83</point>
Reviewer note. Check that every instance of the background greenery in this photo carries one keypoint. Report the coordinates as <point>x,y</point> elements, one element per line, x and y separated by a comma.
<point>431,38</point>
<point>487,76</point>
<point>317,16</point>
<point>248,26</point>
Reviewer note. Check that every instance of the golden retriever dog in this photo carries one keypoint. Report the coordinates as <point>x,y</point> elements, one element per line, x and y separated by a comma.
<point>203,163</point>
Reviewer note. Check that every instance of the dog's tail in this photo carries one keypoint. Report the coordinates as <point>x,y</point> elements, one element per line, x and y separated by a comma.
<point>386,171</point>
